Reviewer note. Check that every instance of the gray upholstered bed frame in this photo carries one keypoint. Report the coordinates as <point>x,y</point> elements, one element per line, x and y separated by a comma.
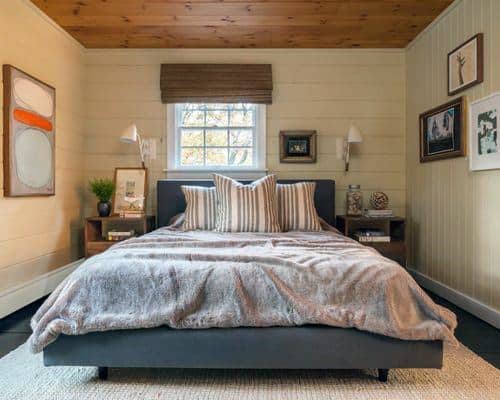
<point>303,347</point>
<point>171,199</point>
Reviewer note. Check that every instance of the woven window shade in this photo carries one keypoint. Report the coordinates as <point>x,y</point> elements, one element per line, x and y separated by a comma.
<point>216,83</point>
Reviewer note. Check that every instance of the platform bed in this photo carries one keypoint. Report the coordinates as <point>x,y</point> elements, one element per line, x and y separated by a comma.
<point>306,347</point>
<point>303,347</point>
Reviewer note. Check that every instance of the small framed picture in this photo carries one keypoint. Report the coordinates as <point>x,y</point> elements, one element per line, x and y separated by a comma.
<point>130,192</point>
<point>465,65</point>
<point>298,146</point>
<point>442,131</point>
<point>483,133</point>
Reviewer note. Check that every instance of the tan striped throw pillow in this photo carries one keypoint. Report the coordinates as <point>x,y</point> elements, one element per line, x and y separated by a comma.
<point>201,208</point>
<point>246,208</point>
<point>296,210</point>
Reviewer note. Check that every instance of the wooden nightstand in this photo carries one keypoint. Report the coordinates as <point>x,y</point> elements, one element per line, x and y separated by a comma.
<point>392,226</point>
<point>96,229</point>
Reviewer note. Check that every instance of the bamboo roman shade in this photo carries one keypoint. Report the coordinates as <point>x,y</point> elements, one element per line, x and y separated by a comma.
<point>216,83</point>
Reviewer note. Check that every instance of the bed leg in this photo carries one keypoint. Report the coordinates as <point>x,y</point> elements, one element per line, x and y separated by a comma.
<point>383,374</point>
<point>102,373</point>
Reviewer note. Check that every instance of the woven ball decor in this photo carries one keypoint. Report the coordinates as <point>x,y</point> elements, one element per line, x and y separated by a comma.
<point>379,200</point>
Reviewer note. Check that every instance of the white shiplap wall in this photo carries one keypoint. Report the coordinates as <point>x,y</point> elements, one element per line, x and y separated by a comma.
<point>313,89</point>
<point>41,234</point>
<point>454,213</point>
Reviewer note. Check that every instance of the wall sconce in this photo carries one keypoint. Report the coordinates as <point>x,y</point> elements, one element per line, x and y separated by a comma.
<point>147,147</point>
<point>343,145</point>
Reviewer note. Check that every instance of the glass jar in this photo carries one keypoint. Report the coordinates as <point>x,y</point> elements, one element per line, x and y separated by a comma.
<point>354,200</point>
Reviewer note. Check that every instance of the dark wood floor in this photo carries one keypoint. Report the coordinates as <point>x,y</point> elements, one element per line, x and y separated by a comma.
<point>477,335</point>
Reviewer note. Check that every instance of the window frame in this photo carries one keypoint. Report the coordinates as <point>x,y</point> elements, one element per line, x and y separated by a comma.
<point>174,146</point>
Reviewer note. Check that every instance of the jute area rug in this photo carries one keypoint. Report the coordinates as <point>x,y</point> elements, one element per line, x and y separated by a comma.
<point>464,376</point>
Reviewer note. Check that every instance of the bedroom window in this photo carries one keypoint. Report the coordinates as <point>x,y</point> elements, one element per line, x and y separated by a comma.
<point>210,136</point>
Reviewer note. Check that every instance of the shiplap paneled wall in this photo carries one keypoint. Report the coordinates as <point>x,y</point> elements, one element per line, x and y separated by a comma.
<point>40,234</point>
<point>454,213</point>
<point>313,89</point>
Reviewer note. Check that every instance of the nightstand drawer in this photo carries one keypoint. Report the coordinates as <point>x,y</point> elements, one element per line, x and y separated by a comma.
<point>388,247</point>
<point>96,247</point>
<point>395,251</point>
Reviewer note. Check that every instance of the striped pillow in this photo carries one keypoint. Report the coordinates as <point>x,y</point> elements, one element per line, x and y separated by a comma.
<point>246,208</point>
<point>201,208</point>
<point>296,210</point>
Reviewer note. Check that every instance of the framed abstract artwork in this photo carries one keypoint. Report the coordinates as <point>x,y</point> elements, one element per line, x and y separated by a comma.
<point>298,146</point>
<point>442,131</point>
<point>484,148</point>
<point>466,65</point>
<point>130,190</point>
<point>28,135</point>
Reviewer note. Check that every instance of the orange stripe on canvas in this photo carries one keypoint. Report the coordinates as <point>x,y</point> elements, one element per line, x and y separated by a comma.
<point>29,118</point>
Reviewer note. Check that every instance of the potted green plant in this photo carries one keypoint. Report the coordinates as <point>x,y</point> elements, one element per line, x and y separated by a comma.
<point>103,189</point>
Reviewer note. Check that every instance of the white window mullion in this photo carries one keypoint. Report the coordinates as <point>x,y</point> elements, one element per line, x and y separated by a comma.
<point>205,136</point>
<point>228,135</point>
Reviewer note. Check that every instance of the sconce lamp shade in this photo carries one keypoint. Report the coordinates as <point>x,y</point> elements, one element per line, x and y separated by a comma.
<point>354,135</point>
<point>130,134</point>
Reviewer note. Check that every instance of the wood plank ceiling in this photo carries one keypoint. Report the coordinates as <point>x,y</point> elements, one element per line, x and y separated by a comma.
<point>239,23</point>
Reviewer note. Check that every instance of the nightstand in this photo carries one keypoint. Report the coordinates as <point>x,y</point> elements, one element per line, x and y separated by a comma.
<point>96,230</point>
<point>392,226</point>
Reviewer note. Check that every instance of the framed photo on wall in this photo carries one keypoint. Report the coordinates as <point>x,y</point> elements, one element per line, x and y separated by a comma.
<point>131,190</point>
<point>298,146</point>
<point>466,65</point>
<point>484,148</point>
<point>29,130</point>
<point>442,131</point>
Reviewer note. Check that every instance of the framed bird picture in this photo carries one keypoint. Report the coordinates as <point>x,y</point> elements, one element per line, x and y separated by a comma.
<point>298,146</point>
<point>466,65</point>
<point>442,131</point>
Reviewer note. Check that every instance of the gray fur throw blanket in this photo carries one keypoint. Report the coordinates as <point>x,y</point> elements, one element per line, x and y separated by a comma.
<point>200,279</point>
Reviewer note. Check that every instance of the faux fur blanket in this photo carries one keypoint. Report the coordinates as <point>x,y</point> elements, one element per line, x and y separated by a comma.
<point>206,279</point>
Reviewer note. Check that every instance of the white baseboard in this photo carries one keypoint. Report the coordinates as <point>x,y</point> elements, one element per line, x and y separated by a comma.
<point>22,295</point>
<point>475,307</point>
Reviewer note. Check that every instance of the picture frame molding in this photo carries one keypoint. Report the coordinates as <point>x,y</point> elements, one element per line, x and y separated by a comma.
<point>460,101</point>
<point>472,131</point>
<point>311,158</point>
<point>116,186</point>
<point>479,63</point>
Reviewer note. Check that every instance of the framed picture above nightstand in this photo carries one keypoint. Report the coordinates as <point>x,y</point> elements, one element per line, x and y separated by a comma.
<point>389,230</point>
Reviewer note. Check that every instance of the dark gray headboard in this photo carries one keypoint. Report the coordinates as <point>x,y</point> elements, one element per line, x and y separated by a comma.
<point>171,199</point>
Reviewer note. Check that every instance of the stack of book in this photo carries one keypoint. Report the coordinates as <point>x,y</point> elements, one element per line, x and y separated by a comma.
<point>371,235</point>
<point>116,236</point>
<point>378,213</point>
<point>131,214</point>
